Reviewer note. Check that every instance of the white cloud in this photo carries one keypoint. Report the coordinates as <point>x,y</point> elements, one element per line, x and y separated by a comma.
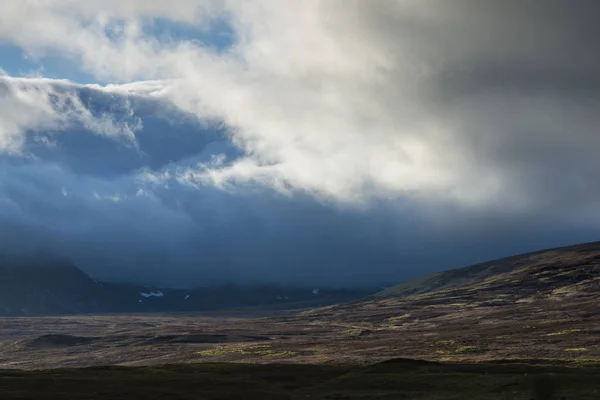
<point>300,89</point>
<point>345,100</point>
<point>48,105</point>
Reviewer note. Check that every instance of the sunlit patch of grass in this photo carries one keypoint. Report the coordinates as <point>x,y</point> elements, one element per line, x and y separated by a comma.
<point>272,353</point>
<point>221,351</point>
<point>565,332</point>
<point>565,291</point>
<point>557,321</point>
<point>256,351</point>
<point>13,363</point>
<point>526,300</point>
<point>466,350</point>
<point>398,318</point>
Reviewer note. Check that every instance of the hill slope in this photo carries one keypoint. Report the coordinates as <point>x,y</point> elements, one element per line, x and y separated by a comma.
<point>528,273</point>
<point>543,305</point>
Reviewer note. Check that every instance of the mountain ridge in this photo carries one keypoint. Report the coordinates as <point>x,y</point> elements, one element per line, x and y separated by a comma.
<point>49,285</point>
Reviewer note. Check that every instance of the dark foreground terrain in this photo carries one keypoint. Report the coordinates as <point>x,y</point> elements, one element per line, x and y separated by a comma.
<point>394,379</point>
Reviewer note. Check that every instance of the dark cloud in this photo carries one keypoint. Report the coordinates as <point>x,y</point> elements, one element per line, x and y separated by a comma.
<point>518,84</point>
<point>179,235</point>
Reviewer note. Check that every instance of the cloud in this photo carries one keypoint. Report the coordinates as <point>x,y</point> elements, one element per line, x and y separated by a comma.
<point>360,128</point>
<point>46,105</point>
<point>348,100</point>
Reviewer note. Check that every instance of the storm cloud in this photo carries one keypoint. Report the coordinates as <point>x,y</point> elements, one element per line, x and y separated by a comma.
<point>330,142</point>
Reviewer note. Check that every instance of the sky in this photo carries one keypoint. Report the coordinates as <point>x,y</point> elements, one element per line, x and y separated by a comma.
<point>329,142</point>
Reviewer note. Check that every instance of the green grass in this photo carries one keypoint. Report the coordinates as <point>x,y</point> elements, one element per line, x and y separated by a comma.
<point>565,332</point>
<point>398,318</point>
<point>273,353</point>
<point>221,352</point>
<point>466,350</point>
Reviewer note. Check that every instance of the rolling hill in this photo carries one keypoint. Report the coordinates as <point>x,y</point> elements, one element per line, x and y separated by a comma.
<point>573,268</point>
<point>542,305</point>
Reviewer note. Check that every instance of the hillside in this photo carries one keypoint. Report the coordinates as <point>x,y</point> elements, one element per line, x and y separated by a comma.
<point>532,273</point>
<point>537,305</point>
<point>562,278</point>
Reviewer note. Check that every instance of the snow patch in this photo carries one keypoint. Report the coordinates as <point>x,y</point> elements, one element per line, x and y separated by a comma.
<point>158,293</point>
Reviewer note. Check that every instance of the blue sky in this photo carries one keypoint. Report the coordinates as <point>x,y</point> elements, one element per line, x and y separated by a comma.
<point>15,61</point>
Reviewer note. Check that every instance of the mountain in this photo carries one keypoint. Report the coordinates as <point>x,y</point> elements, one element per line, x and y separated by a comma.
<point>36,287</point>
<point>49,285</point>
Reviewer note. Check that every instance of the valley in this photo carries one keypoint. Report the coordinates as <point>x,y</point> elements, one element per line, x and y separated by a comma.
<point>537,310</point>
<point>541,306</point>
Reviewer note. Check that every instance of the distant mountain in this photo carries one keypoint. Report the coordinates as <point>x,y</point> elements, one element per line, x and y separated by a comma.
<point>35,287</point>
<point>47,285</point>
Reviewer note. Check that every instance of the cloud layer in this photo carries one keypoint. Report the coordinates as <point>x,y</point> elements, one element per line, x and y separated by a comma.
<point>320,140</point>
